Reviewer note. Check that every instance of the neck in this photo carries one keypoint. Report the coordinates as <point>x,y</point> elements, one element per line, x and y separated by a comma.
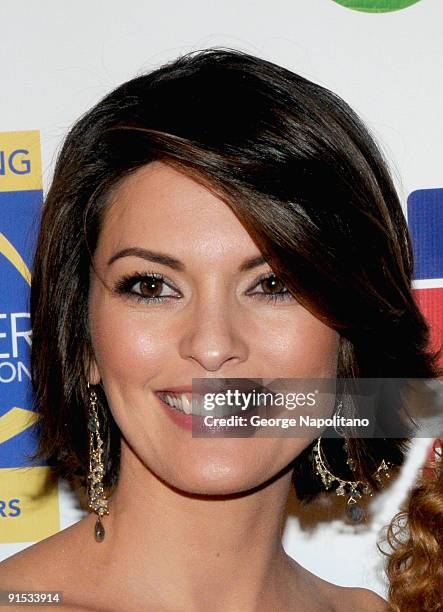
<point>184,549</point>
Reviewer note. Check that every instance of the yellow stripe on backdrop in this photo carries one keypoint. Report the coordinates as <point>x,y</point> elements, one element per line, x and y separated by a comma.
<point>29,509</point>
<point>10,252</point>
<point>15,421</point>
<point>20,161</point>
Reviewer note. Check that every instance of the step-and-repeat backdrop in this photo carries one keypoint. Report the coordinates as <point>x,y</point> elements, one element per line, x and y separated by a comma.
<point>382,56</point>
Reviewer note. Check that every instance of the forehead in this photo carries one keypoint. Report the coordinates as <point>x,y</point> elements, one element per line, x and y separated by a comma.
<point>158,205</point>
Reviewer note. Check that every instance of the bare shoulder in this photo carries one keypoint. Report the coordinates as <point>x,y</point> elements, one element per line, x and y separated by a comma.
<point>353,598</point>
<point>18,572</point>
<point>66,562</point>
<point>338,598</point>
<point>45,565</point>
<point>366,600</point>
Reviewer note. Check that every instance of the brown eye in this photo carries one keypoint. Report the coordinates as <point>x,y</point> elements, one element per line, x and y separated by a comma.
<point>147,288</point>
<point>272,284</point>
<point>151,287</point>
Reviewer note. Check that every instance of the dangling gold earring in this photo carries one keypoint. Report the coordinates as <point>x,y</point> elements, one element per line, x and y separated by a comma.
<point>97,499</point>
<point>354,489</point>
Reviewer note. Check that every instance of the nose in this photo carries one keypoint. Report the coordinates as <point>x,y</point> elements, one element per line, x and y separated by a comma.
<point>212,335</point>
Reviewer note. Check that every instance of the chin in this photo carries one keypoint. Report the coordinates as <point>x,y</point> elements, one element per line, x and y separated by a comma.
<point>215,479</point>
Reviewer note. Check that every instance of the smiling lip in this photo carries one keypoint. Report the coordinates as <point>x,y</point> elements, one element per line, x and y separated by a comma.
<point>184,420</point>
<point>182,389</point>
<point>197,392</point>
<point>195,423</point>
<point>242,384</point>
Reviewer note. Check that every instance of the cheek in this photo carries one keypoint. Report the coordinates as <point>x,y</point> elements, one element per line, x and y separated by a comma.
<point>300,346</point>
<point>126,347</point>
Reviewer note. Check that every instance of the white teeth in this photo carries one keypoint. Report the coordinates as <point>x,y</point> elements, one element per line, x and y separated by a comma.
<point>170,400</point>
<point>181,403</point>
<point>186,404</point>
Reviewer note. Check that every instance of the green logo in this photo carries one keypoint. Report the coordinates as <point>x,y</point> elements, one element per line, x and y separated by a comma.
<point>376,6</point>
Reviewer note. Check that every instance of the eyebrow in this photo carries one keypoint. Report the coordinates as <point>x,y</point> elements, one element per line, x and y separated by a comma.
<point>172,262</point>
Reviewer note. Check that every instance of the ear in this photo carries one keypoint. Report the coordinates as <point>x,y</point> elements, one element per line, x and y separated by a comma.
<point>92,373</point>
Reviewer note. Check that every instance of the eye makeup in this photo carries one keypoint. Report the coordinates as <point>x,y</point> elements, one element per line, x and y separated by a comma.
<point>125,286</point>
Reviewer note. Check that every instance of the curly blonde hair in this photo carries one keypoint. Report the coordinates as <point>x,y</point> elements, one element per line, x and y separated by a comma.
<point>415,565</point>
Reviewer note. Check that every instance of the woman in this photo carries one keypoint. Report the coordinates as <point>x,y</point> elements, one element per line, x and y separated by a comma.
<point>220,217</point>
<point>415,566</point>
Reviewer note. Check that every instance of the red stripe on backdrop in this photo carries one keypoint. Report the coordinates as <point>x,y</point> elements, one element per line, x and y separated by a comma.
<point>430,302</point>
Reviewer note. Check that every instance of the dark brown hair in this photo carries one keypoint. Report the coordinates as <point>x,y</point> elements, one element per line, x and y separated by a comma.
<point>302,174</point>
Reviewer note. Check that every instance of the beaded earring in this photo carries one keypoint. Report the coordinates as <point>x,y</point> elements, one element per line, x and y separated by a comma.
<point>354,489</point>
<point>97,499</point>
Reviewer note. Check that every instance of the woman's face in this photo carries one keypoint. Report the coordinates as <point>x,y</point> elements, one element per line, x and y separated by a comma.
<point>213,320</point>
